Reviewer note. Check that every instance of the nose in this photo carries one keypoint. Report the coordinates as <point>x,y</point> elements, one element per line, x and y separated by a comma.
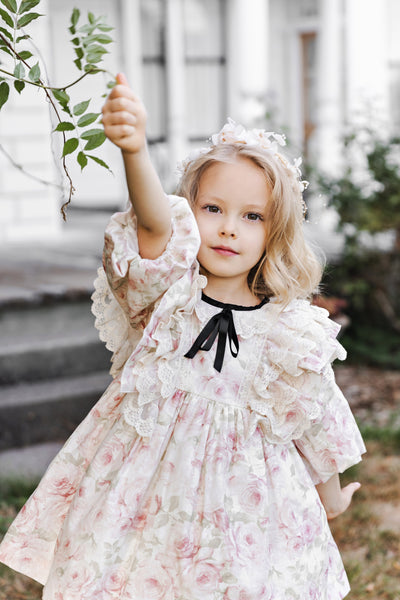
<point>228,229</point>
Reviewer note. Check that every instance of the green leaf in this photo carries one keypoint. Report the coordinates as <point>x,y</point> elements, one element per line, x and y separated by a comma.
<point>91,69</point>
<point>22,37</point>
<point>79,52</point>
<point>66,109</point>
<point>27,5</point>
<point>6,33</point>
<point>88,119</point>
<point>4,93</point>
<point>100,38</point>
<point>80,108</point>
<point>19,71</point>
<point>76,41</point>
<point>78,63</point>
<point>95,141</point>
<point>99,161</point>
<point>96,48</point>
<point>26,19</point>
<point>65,126</point>
<point>25,54</point>
<point>86,135</point>
<point>70,146</point>
<point>104,27</point>
<point>6,50</point>
<point>82,160</point>
<point>34,73</point>
<point>10,4</point>
<point>61,96</point>
<point>6,18</point>
<point>19,86</point>
<point>91,18</point>
<point>87,29</point>
<point>94,58</point>
<point>76,13</point>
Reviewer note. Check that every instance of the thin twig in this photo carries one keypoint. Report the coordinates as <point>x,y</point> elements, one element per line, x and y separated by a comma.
<point>41,85</point>
<point>50,99</point>
<point>26,173</point>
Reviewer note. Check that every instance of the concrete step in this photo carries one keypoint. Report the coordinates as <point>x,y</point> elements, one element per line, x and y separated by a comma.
<point>49,341</point>
<point>35,413</point>
<point>49,360</point>
<point>28,463</point>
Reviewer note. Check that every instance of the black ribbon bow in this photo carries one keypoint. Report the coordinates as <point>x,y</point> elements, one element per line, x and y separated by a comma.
<point>223,326</point>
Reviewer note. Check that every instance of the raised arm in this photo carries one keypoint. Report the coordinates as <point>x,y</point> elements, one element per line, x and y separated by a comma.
<point>335,499</point>
<point>124,120</point>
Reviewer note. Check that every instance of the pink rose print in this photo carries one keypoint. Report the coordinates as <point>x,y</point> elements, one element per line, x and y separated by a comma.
<point>80,582</point>
<point>151,582</point>
<point>252,493</point>
<point>113,584</point>
<point>203,578</point>
<point>249,542</point>
<point>185,547</point>
<point>220,519</point>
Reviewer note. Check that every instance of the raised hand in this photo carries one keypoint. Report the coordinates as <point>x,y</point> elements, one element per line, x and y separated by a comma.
<point>124,118</point>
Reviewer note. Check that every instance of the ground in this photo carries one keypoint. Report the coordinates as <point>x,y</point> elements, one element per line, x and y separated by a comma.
<point>368,534</point>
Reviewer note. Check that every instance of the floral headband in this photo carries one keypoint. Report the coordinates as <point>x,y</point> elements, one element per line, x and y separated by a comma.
<point>269,141</point>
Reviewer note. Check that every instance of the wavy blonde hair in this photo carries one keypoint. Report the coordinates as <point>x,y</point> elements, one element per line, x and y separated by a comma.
<point>289,268</point>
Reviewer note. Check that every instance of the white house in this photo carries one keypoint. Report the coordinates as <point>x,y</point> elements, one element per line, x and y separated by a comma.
<point>307,66</point>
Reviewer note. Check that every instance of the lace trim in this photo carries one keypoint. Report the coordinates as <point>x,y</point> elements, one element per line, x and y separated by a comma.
<point>112,323</point>
<point>289,381</point>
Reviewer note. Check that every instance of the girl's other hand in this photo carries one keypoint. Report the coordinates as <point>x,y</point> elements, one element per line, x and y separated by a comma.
<point>335,499</point>
<point>124,118</point>
<point>346,495</point>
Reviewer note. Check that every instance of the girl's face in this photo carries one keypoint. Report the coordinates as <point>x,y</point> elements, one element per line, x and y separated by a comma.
<point>231,213</point>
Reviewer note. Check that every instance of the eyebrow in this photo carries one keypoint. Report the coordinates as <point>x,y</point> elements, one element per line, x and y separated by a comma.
<point>249,206</point>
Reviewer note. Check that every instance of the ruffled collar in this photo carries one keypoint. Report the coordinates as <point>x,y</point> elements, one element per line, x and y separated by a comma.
<point>249,320</point>
<point>230,306</point>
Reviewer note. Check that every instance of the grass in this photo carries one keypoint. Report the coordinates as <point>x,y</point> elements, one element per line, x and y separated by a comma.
<point>368,534</point>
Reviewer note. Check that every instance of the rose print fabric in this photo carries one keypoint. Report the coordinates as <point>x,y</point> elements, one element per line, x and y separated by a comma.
<point>183,483</point>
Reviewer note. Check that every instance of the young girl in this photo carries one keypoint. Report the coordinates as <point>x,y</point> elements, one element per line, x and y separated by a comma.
<point>209,468</point>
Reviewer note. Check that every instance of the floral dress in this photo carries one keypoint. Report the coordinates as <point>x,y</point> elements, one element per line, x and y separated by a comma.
<point>183,482</point>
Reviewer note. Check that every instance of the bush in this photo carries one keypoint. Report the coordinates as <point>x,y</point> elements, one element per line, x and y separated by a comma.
<point>366,197</point>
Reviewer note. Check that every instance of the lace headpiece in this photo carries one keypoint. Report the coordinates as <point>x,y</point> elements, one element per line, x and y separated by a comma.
<point>269,141</point>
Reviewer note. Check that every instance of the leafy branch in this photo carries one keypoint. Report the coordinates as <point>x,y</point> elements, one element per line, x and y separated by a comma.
<point>89,42</point>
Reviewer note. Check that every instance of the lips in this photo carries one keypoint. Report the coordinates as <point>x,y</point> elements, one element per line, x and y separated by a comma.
<point>225,250</point>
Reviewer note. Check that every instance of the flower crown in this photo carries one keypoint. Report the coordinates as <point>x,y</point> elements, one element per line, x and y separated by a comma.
<point>269,141</point>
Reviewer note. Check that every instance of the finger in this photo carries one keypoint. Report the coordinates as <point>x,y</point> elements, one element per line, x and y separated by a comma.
<point>122,79</point>
<point>122,103</point>
<point>118,132</point>
<point>119,118</point>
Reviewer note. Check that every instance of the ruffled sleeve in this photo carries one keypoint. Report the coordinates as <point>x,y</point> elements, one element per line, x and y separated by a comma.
<point>128,286</point>
<point>138,282</point>
<point>332,443</point>
<point>297,393</point>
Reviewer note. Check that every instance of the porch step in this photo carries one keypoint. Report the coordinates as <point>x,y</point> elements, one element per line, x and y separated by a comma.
<point>48,411</point>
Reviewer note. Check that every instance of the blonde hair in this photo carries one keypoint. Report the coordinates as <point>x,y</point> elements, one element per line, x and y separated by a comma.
<point>289,268</point>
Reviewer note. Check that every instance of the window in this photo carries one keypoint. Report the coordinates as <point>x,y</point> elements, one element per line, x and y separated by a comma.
<point>308,45</point>
<point>205,58</point>
<point>153,56</point>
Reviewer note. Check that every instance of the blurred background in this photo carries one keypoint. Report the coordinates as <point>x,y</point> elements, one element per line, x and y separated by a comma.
<point>324,72</point>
